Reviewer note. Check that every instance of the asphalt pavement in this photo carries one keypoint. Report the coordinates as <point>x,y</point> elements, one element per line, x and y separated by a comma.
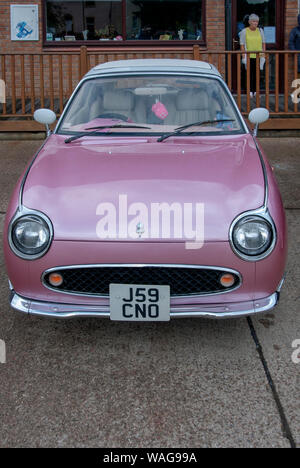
<point>187,383</point>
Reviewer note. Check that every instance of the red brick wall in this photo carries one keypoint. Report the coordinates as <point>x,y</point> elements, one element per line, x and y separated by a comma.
<point>215,39</point>
<point>6,45</point>
<point>215,27</point>
<point>291,13</point>
<point>215,24</point>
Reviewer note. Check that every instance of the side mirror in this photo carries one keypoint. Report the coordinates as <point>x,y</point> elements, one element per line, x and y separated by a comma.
<point>46,117</point>
<point>258,116</point>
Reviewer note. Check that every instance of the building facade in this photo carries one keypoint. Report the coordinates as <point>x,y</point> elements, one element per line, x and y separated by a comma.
<point>57,25</point>
<point>48,45</point>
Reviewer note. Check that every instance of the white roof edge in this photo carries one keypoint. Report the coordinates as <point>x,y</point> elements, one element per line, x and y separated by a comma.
<point>154,65</point>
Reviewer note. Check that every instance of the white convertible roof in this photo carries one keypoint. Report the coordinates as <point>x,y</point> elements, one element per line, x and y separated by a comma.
<point>154,65</point>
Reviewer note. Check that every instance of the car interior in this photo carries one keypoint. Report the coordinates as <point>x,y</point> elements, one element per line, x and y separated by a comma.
<point>149,104</point>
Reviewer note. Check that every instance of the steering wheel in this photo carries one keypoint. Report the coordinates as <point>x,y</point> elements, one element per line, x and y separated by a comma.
<point>112,115</point>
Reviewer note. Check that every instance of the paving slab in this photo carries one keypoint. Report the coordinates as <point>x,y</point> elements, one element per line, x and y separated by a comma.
<point>189,383</point>
<point>94,383</point>
<point>278,329</point>
<point>14,156</point>
<point>284,156</point>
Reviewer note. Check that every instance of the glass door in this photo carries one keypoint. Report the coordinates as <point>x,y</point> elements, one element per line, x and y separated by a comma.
<point>271,14</point>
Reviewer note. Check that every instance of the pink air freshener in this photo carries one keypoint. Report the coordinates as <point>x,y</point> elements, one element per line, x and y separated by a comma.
<point>159,110</point>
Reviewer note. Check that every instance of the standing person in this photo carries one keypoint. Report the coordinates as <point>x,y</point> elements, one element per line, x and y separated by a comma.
<point>294,40</point>
<point>252,38</point>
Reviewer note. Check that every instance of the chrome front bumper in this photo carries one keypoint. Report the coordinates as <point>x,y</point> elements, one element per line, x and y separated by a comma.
<point>213,311</point>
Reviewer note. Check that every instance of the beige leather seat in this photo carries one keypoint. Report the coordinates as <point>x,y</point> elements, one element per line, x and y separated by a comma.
<point>192,106</point>
<point>119,102</point>
<point>95,107</point>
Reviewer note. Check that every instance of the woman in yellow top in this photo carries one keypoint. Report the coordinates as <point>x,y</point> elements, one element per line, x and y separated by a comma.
<point>252,38</point>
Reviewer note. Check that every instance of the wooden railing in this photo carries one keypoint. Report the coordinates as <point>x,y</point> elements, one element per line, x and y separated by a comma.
<point>48,79</point>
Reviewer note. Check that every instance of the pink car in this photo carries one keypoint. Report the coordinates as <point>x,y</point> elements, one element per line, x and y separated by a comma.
<point>151,199</point>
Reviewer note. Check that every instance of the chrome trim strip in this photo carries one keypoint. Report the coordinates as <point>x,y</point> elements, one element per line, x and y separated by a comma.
<point>211,311</point>
<point>266,196</point>
<point>280,284</point>
<point>23,211</point>
<point>260,212</point>
<point>140,265</point>
<point>20,204</point>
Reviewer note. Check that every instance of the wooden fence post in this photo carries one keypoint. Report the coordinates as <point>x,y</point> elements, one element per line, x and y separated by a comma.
<point>83,61</point>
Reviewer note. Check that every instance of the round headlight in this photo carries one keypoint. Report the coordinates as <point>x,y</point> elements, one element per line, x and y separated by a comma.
<point>30,236</point>
<point>252,236</point>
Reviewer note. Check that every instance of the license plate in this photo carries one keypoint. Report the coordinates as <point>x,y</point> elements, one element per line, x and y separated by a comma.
<point>139,302</point>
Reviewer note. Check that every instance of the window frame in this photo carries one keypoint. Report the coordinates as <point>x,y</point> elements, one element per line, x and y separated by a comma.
<point>126,42</point>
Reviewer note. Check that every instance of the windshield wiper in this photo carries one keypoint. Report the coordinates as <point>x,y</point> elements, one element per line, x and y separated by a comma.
<point>75,137</point>
<point>179,130</point>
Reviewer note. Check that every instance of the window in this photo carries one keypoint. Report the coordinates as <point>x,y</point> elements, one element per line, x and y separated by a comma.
<point>131,20</point>
<point>79,20</point>
<point>151,104</point>
<point>164,20</point>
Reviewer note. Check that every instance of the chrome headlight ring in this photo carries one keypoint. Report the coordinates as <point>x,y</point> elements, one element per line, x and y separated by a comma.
<point>30,233</point>
<point>252,235</point>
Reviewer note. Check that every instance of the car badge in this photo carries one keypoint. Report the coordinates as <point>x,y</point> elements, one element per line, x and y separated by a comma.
<point>140,229</point>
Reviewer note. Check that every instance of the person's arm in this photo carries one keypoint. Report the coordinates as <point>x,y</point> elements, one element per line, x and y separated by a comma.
<point>263,40</point>
<point>243,42</point>
<point>243,50</point>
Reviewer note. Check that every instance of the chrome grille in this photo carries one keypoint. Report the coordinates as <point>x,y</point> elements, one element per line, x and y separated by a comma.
<point>183,281</point>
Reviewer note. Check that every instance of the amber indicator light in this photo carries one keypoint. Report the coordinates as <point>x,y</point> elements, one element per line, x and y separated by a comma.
<point>55,279</point>
<point>227,280</point>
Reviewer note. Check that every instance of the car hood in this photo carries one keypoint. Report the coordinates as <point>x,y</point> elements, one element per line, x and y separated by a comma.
<point>137,188</point>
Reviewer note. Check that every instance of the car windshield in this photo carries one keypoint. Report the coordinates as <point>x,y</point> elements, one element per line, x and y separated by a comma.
<point>151,105</point>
